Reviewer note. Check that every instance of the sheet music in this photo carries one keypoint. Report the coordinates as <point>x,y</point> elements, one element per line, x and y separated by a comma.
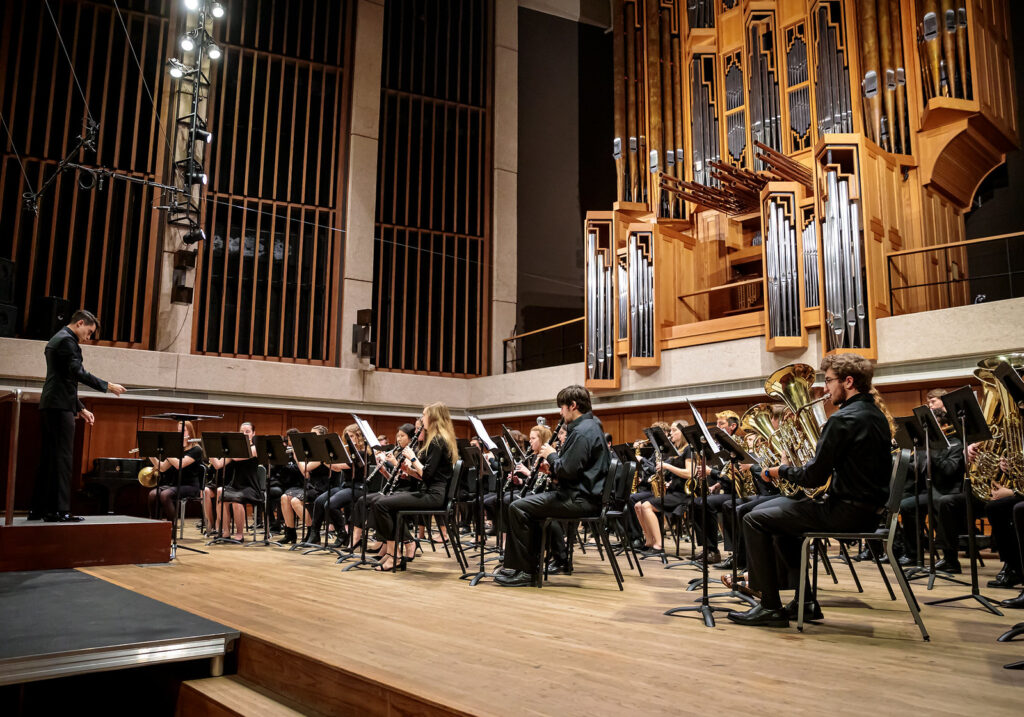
<point>368,434</point>
<point>715,450</point>
<point>481,432</point>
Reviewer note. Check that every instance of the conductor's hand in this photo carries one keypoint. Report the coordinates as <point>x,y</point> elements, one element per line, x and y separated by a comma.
<point>86,414</point>
<point>546,450</point>
<point>115,388</point>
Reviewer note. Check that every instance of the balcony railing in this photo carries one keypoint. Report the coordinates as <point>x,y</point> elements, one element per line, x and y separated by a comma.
<point>549,346</point>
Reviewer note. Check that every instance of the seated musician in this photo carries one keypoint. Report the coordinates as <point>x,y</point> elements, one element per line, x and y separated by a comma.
<point>854,449</point>
<point>282,478</point>
<point>331,505</point>
<point>644,471</point>
<point>947,469</point>
<point>431,470</point>
<point>296,502</point>
<point>1014,535</point>
<point>241,485</point>
<point>522,478</point>
<point>578,468</point>
<point>719,497</point>
<point>387,465</point>
<point>192,472</point>
<point>677,470</point>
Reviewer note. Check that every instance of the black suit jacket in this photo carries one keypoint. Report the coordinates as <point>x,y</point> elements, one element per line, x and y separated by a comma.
<point>64,371</point>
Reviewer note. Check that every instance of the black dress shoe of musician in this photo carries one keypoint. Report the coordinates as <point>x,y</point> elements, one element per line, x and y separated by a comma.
<point>557,567</point>
<point>724,565</point>
<point>519,579</point>
<point>865,554</point>
<point>639,544</point>
<point>760,616</point>
<point>947,565</point>
<point>33,515</point>
<point>504,572</point>
<point>62,518</point>
<point>1016,603</point>
<point>905,560</point>
<point>312,537</point>
<point>290,535</point>
<point>1007,578</point>
<point>812,610</point>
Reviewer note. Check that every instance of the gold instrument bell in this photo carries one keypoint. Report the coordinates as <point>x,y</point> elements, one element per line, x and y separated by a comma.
<point>148,476</point>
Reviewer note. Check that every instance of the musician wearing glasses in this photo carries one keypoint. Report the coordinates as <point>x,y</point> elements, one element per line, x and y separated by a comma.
<point>854,449</point>
<point>388,463</point>
<point>578,469</point>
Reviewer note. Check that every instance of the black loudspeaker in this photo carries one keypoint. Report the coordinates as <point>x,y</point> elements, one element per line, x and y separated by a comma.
<point>6,281</point>
<point>48,315</point>
<point>8,320</point>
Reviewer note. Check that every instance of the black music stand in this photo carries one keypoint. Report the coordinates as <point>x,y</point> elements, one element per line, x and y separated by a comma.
<point>704,448</point>
<point>338,454</point>
<point>224,446</point>
<point>734,454</point>
<point>309,447</point>
<point>1015,387</point>
<point>472,458</point>
<point>506,466</point>
<point>180,418</point>
<point>161,445</point>
<point>270,451</point>
<point>915,432</point>
<point>970,423</point>
<point>361,560</point>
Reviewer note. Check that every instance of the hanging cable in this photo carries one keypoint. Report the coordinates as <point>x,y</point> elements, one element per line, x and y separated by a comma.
<point>17,156</point>
<point>60,37</point>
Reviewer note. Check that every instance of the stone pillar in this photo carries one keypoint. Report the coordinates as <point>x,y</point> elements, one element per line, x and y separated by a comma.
<point>360,203</point>
<point>504,231</point>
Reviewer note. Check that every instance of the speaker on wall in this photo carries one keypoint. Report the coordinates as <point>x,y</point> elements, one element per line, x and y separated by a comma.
<point>48,315</point>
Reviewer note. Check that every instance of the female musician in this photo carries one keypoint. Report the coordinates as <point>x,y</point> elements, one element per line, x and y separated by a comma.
<point>362,511</point>
<point>431,470</point>
<point>166,493</point>
<point>213,495</point>
<point>282,478</point>
<point>677,471</point>
<point>294,502</point>
<point>330,504</point>
<point>534,467</point>
<point>241,485</point>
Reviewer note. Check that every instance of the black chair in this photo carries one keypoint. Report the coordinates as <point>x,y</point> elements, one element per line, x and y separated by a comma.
<point>885,534</point>
<point>444,516</point>
<point>617,514</point>
<point>599,524</point>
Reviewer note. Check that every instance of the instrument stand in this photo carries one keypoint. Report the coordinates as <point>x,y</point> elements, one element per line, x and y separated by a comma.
<point>362,561</point>
<point>473,457</point>
<point>270,451</point>
<point>699,439</point>
<point>964,404</point>
<point>917,431</point>
<point>735,454</point>
<point>180,418</point>
<point>338,454</point>
<point>224,446</point>
<point>308,447</point>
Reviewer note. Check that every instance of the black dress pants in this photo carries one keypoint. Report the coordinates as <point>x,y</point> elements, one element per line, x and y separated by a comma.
<point>951,520</point>
<point>773,532</point>
<point>1004,515</point>
<point>741,512</point>
<point>715,502</point>
<point>526,515</point>
<point>52,490</point>
<point>385,508</point>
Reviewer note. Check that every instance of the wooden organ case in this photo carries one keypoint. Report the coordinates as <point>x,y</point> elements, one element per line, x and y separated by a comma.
<point>771,154</point>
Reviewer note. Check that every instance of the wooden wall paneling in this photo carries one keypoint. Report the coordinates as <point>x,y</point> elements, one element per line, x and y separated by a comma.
<point>113,434</point>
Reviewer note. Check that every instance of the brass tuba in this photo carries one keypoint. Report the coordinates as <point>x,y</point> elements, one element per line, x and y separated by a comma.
<point>769,448</point>
<point>800,432</point>
<point>1003,417</point>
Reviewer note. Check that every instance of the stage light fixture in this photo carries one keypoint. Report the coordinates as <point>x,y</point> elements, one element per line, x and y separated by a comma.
<point>195,175</point>
<point>175,68</point>
<point>204,136</point>
<point>187,43</point>
<point>192,4</point>
<point>213,51</point>
<point>217,10</point>
<point>193,236</point>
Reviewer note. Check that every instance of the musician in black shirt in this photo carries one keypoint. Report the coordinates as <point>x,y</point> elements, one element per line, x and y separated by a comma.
<point>854,450</point>
<point>166,492</point>
<point>241,485</point>
<point>676,470</point>
<point>296,501</point>
<point>579,469</point>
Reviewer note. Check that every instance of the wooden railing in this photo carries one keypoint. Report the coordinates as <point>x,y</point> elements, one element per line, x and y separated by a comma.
<point>541,347</point>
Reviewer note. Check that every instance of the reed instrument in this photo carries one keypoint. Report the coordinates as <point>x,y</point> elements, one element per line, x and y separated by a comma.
<point>543,482</point>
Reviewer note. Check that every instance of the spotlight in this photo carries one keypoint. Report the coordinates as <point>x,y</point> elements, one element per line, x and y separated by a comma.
<point>195,175</point>
<point>175,68</point>
<point>214,52</point>
<point>193,236</point>
<point>187,43</point>
<point>217,10</point>
<point>204,136</point>
<point>192,4</point>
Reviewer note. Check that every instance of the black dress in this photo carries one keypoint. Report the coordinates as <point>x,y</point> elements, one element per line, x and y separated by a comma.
<point>426,493</point>
<point>191,477</point>
<point>243,482</point>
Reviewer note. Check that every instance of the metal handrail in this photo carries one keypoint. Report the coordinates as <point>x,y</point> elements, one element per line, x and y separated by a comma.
<point>12,455</point>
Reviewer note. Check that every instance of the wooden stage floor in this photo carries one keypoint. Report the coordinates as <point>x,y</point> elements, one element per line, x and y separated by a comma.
<point>581,647</point>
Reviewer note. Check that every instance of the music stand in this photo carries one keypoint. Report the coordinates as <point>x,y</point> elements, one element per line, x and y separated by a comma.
<point>472,457</point>
<point>734,454</point>
<point>371,440</point>
<point>307,448</point>
<point>270,451</point>
<point>224,446</point>
<point>915,432</point>
<point>970,421</point>
<point>337,453</point>
<point>180,418</point>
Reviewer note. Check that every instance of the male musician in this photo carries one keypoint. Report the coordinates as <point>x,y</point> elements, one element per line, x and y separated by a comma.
<point>720,490</point>
<point>58,408</point>
<point>579,468</point>
<point>854,451</point>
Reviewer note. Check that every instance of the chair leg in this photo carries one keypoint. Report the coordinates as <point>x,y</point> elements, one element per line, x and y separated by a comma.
<point>915,609</point>
<point>801,595</point>
<point>853,570</point>
<point>616,571</point>
<point>885,578</point>
<point>541,562</point>
<point>821,552</point>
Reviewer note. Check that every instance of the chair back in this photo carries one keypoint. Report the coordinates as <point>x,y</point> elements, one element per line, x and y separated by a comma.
<point>454,483</point>
<point>624,481</point>
<point>261,478</point>
<point>900,467</point>
<point>611,481</point>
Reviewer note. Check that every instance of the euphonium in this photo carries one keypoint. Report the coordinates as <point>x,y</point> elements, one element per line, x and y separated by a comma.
<point>769,448</point>
<point>1004,420</point>
<point>792,385</point>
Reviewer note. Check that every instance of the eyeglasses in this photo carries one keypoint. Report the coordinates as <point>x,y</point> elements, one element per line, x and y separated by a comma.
<point>830,380</point>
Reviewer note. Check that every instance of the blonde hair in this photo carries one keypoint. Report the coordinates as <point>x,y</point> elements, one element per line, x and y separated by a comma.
<point>880,402</point>
<point>543,431</point>
<point>320,430</point>
<point>359,441</point>
<point>440,421</point>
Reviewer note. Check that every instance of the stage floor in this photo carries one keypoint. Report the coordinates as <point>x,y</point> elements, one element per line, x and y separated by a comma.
<point>579,646</point>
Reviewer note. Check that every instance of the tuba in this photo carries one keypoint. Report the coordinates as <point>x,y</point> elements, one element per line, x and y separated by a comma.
<point>800,432</point>
<point>769,448</point>
<point>1003,417</point>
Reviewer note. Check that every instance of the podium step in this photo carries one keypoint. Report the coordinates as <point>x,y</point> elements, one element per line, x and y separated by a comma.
<point>232,695</point>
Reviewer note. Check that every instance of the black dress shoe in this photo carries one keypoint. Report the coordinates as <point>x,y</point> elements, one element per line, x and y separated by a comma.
<point>760,616</point>
<point>1016,603</point>
<point>504,572</point>
<point>865,554</point>
<point>948,566</point>
<point>518,579</point>
<point>812,610</point>
<point>724,565</point>
<point>905,560</point>
<point>62,518</point>
<point>1007,578</point>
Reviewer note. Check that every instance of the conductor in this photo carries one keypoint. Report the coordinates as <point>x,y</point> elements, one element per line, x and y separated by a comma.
<point>58,408</point>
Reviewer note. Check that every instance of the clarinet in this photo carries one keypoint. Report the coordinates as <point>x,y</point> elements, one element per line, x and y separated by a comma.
<point>390,486</point>
<point>543,482</point>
